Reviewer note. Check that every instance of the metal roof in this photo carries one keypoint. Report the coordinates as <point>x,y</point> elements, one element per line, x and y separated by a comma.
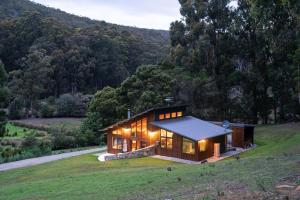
<point>192,128</point>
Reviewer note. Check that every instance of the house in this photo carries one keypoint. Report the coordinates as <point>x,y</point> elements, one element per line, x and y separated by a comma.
<point>171,132</point>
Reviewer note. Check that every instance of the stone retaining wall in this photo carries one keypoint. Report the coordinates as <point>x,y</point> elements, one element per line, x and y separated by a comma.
<point>148,151</point>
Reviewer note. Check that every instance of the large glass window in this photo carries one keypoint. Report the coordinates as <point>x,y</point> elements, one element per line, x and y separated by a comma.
<point>188,146</point>
<point>133,129</point>
<point>173,114</point>
<point>133,145</point>
<point>144,128</point>
<point>117,143</point>
<point>166,139</point>
<point>202,145</point>
<point>139,128</point>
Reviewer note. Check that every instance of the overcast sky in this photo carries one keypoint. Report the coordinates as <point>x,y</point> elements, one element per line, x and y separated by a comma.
<point>156,14</point>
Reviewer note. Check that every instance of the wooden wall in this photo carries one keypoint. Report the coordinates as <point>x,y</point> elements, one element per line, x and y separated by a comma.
<point>198,156</point>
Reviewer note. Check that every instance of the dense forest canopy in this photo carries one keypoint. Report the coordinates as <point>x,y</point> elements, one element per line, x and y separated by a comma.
<point>48,53</point>
<point>237,63</point>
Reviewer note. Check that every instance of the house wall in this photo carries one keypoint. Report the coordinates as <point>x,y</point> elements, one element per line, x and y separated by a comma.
<point>198,156</point>
<point>238,137</point>
<point>242,136</point>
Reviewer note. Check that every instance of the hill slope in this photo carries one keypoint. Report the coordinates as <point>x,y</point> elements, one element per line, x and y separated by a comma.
<point>88,54</point>
<point>275,161</point>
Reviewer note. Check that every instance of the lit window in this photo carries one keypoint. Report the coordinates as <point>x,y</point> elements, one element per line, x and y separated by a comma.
<point>168,115</point>
<point>161,116</point>
<point>179,114</point>
<point>117,143</point>
<point>144,128</point>
<point>133,145</point>
<point>139,128</point>
<point>133,129</point>
<point>173,114</point>
<point>202,145</point>
<point>163,133</point>
<point>166,139</point>
<point>188,146</point>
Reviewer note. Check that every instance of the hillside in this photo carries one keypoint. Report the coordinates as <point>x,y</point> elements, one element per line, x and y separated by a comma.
<point>274,162</point>
<point>88,54</point>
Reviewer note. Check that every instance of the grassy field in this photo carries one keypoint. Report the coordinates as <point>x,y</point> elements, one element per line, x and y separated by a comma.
<point>276,160</point>
<point>67,123</point>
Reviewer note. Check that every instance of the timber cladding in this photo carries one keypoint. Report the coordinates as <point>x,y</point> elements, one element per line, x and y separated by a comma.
<point>177,152</point>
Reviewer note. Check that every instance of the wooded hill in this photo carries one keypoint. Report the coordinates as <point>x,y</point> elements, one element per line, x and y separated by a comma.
<point>62,53</point>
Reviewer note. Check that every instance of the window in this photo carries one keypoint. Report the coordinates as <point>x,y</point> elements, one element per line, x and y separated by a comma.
<point>139,128</point>
<point>161,116</point>
<point>133,145</point>
<point>144,128</point>
<point>202,145</point>
<point>166,139</point>
<point>179,114</point>
<point>117,143</point>
<point>133,129</point>
<point>173,114</point>
<point>117,132</point>
<point>168,115</point>
<point>188,146</point>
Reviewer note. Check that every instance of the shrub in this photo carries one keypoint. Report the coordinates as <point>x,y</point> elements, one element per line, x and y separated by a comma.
<point>66,104</point>
<point>47,110</point>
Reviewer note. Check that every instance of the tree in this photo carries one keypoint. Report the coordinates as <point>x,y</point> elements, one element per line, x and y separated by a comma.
<point>3,97</point>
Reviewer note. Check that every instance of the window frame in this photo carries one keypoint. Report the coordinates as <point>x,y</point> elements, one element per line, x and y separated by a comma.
<point>119,145</point>
<point>168,138</point>
<point>191,142</point>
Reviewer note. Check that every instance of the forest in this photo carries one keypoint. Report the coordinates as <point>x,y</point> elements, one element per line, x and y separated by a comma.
<point>236,62</point>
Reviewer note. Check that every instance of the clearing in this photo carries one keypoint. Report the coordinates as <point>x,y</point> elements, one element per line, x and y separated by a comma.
<point>275,161</point>
<point>45,123</point>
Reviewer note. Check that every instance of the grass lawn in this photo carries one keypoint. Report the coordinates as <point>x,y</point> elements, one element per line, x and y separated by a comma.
<point>254,176</point>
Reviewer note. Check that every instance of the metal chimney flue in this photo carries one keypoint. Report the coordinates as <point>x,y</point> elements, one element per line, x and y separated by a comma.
<point>128,114</point>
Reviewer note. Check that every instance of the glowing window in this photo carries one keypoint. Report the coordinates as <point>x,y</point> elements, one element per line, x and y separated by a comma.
<point>161,116</point>
<point>117,143</point>
<point>133,129</point>
<point>188,146</point>
<point>173,114</point>
<point>168,115</point>
<point>179,114</point>
<point>202,145</point>
<point>166,139</point>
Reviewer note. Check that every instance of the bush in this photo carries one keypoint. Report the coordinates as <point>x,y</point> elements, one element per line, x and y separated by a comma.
<point>63,139</point>
<point>47,110</point>
<point>70,106</point>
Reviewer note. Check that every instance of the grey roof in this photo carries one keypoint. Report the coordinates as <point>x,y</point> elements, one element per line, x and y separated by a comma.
<point>192,128</point>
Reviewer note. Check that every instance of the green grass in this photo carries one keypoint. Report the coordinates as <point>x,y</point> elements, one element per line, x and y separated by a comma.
<point>16,131</point>
<point>83,177</point>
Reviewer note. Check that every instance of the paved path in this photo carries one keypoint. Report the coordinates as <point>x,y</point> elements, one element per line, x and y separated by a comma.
<point>45,159</point>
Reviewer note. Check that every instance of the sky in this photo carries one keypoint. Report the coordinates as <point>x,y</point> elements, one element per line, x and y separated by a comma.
<point>155,14</point>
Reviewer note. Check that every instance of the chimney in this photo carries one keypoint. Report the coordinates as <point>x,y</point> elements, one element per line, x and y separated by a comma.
<point>128,114</point>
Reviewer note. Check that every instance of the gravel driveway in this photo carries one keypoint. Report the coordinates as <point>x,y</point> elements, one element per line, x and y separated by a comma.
<point>45,159</point>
